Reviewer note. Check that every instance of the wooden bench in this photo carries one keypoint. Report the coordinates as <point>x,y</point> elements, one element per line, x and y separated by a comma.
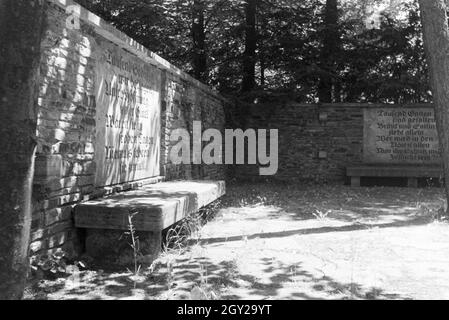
<point>412,173</point>
<point>156,207</point>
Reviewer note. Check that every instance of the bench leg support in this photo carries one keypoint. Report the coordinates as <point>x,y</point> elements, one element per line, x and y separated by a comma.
<point>355,181</point>
<point>113,246</point>
<point>412,182</point>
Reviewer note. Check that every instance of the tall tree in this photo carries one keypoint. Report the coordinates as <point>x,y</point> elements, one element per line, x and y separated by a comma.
<point>21,24</point>
<point>436,43</point>
<point>199,41</point>
<point>329,51</point>
<point>249,56</point>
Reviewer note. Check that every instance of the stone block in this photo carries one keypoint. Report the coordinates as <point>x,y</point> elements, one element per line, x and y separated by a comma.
<point>113,247</point>
<point>158,205</point>
<point>57,215</point>
<point>47,167</point>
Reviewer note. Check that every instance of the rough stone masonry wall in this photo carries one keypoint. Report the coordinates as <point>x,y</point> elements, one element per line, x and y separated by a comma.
<point>184,104</point>
<point>316,142</point>
<point>65,166</point>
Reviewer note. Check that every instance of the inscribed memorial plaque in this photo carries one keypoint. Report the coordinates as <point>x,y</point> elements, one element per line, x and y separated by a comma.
<point>400,136</point>
<point>127,143</point>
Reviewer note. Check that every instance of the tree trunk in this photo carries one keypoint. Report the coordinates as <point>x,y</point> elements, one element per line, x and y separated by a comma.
<point>260,29</point>
<point>436,44</point>
<point>199,39</point>
<point>330,46</point>
<point>249,56</point>
<point>21,25</point>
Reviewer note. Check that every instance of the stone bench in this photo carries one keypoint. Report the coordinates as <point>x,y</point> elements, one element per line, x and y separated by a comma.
<point>412,173</point>
<point>156,207</point>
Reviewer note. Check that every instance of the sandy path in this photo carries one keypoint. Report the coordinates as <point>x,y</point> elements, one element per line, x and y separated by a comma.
<point>310,243</point>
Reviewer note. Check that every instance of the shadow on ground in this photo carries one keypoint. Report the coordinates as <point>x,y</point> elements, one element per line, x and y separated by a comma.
<point>216,279</point>
<point>231,257</point>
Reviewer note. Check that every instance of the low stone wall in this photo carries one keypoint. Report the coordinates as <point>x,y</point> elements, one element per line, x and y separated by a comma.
<point>82,69</point>
<point>316,142</point>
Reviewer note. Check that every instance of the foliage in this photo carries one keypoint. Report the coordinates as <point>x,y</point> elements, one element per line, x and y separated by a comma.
<point>48,264</point>
<point>53,264</point>
<point>177,236</point>
<point>381,64</point>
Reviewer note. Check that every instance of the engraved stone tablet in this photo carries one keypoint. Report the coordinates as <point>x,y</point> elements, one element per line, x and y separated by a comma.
<point>127,143</point>
<point>400,136</point>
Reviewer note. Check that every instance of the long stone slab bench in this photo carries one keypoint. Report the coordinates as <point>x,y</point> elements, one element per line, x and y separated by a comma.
<point>412,173</point>
<point>156,207</point>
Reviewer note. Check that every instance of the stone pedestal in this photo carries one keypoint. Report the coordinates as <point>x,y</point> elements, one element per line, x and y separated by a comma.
<point>355,181</point>
<point>114,246</point>
<point>412,182</point>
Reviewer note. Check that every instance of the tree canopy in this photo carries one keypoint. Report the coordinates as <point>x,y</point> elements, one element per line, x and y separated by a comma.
<point>311,50</point>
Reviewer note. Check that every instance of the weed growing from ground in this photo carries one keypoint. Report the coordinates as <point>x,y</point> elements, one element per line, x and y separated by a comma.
<point>135,245</point>
<point>321,215</point>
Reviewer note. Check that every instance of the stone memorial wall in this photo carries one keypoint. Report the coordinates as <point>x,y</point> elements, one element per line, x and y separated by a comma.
<point>106,109</point>
<point>317,142</point>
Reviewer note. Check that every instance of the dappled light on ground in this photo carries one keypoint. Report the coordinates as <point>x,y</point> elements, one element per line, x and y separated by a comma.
<point>300,242</point>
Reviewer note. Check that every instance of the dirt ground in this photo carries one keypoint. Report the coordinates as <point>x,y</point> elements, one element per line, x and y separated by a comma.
<point>292,242</point>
